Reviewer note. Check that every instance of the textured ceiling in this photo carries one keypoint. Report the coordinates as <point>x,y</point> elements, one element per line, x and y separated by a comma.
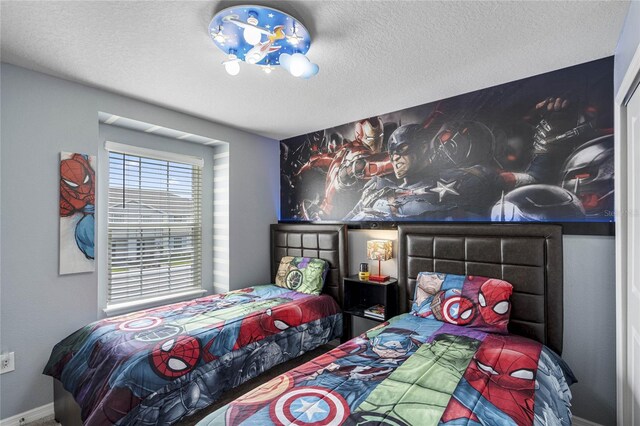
<point>374,56</point>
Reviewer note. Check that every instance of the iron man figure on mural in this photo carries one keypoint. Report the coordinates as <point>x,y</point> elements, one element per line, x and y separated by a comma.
<point>348,169</point>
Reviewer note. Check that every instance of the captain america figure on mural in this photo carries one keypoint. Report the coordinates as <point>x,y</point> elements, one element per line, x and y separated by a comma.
<point>436,184</point>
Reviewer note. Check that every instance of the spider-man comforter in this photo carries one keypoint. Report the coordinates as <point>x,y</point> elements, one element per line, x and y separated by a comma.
<point>156,366</point>
<point>414,371</point>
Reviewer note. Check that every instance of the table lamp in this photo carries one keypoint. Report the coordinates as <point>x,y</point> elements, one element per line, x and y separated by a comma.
<point>379,250</point>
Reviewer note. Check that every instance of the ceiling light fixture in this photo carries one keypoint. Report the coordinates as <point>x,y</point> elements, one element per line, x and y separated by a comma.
<point>240,31</point>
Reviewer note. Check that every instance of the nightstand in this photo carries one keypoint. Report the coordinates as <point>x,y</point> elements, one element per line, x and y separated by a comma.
<point>359,295</point>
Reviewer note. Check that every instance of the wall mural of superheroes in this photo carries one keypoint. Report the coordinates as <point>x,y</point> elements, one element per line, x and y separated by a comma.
<point>77,212</point>
<point>537,149</point>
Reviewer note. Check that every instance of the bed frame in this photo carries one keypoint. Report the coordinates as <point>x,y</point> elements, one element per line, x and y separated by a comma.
<point>529,256</point>
<point>328,242</point>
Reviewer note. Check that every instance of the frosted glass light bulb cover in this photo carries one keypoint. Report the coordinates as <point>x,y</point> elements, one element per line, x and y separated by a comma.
<point>252,35</point>
<point>297,66</point>
<point>232,67</point>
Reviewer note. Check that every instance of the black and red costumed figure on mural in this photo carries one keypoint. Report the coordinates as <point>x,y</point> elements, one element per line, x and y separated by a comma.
<point>569,172</point>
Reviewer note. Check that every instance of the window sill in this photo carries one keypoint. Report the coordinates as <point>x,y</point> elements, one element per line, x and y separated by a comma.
<point>136,305</point>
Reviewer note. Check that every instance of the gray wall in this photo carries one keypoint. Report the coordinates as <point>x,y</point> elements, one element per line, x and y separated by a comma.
<point>589,316</point>
<point>41,116</point>
<point>590,325</point>
<point>627,44</point>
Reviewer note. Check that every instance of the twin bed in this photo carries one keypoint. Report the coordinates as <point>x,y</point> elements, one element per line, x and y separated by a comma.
<point>419,368</point>
<point>159,365</point>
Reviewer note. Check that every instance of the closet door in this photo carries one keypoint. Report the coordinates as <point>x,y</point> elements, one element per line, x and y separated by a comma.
<point>632,397</point>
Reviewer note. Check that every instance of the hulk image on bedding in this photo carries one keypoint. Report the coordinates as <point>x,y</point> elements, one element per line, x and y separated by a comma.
<point>302,274</point>
<point>415,371</point>
<point>401,396</point>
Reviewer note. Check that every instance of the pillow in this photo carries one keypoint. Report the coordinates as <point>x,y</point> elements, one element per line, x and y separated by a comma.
<point>303,274</point>
<point>471,301</point>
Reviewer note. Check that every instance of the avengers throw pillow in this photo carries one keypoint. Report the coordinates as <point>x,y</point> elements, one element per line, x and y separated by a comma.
<point>303,274</point>
<point>471,301</point>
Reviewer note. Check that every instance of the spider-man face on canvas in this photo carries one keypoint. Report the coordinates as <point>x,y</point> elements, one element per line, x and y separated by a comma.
<point>504,372</point>
<point>76,184</point>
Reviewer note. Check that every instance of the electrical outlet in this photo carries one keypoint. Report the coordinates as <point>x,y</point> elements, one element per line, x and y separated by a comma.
<point>7,362</point>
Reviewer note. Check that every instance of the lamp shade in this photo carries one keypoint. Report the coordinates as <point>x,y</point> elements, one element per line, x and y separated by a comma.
<point>379,249</point>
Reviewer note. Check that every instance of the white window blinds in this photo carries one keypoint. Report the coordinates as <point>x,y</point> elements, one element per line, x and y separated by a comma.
<point>154,223</point>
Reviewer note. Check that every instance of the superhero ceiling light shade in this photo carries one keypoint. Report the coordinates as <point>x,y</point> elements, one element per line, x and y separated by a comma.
<point>537,149</point>
<point>264,37</point>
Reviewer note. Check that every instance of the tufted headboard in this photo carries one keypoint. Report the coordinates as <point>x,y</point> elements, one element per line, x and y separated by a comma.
<point>529,256</point>
<point>328,242</point>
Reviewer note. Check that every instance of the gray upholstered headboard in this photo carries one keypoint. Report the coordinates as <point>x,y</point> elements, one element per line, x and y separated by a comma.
<point>529,256</point>
<point>328,242</point>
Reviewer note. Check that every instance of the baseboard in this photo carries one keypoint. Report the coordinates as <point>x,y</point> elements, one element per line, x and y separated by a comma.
<point>578,421</point>
<point>44,412</point>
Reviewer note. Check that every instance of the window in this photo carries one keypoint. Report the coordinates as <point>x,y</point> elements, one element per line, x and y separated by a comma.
<point>154,224</point>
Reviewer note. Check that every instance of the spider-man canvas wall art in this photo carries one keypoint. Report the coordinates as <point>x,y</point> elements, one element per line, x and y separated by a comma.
<point>77,212</point>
